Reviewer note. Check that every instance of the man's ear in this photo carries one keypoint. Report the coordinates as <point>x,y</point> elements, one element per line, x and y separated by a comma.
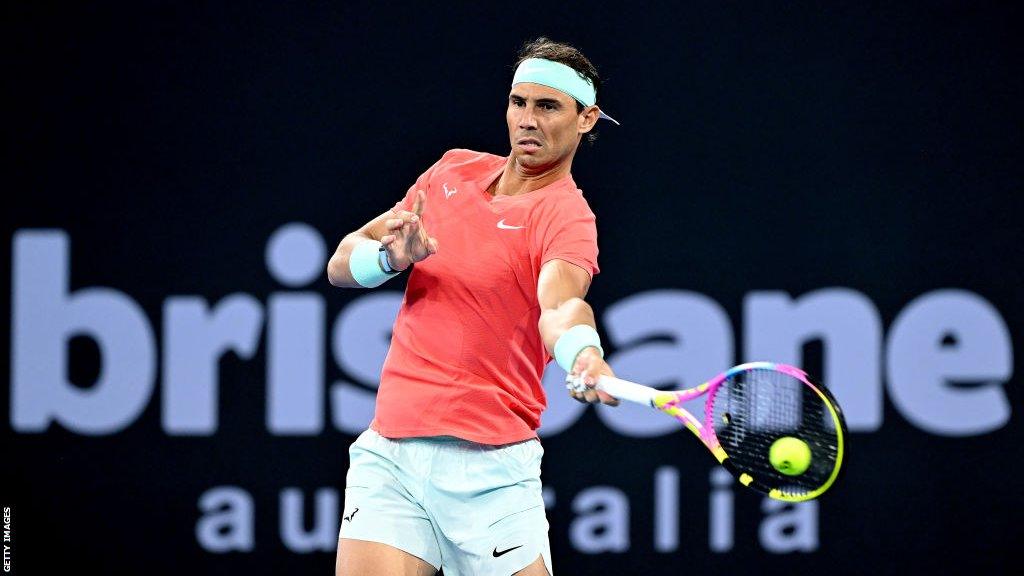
<point>588,119</point>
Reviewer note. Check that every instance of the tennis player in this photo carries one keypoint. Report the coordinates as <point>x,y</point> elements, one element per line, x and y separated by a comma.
<point>500,252</point>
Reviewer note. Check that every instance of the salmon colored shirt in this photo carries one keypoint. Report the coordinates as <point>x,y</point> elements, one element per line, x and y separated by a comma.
<point>466,355</point>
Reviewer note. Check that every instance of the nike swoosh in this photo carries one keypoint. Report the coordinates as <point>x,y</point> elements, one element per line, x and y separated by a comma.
<point>504,226</point>
<point>495,553</point>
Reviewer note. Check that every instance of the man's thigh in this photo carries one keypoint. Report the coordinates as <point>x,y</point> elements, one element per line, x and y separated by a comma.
<point>488,505</point>
<point>383,524</point>
<point>360,557</point>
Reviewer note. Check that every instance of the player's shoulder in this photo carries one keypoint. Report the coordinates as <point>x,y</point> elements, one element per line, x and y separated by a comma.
<point>464,165</point>
<point>569,197</point>
<point>464,157</point>
<point>562,205</point>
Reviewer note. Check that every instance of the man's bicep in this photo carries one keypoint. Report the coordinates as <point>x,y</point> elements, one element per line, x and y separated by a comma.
<point>559,281</point>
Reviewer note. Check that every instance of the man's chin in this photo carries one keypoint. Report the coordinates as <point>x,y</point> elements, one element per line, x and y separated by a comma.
<point>527,160</point>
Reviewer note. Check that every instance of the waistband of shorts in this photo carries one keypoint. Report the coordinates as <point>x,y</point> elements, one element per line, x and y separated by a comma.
<point>453,441</point>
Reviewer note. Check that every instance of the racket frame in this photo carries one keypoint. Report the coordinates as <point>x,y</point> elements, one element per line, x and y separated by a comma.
<point>670,402</point>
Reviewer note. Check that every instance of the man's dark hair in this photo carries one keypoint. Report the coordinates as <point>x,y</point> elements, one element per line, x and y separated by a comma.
<point>562,53</point>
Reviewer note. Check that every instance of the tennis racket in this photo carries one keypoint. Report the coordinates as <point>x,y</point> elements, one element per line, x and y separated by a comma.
<point>748,408</point>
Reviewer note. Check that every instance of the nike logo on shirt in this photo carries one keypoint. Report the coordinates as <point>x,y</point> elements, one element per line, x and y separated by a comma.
<point>495,553</point>
<point>503,226</point>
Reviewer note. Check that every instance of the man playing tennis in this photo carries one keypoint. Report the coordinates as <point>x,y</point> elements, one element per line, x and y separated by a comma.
<point>505,248</point>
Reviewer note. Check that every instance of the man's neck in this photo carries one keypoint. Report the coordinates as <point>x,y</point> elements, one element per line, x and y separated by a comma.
<point>516,179</point>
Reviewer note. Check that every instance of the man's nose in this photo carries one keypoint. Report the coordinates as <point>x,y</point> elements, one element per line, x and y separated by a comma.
<point>527,119</point>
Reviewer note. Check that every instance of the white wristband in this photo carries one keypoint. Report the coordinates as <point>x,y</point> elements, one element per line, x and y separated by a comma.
<point>572,342</point>
<point>364,264</point>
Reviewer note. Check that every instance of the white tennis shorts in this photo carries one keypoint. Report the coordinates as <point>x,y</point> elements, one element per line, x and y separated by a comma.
<point>470,508</point>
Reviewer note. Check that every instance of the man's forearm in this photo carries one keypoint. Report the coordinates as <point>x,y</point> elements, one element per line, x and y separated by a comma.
<point>555,321</point>
<point>338,271</point>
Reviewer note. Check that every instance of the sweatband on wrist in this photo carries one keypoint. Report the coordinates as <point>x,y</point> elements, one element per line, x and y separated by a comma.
<point>572,342</point>
<point>364,263</point>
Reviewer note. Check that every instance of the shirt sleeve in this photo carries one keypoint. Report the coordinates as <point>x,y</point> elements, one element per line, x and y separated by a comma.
<point>570,233</point>
<point>409,200</point>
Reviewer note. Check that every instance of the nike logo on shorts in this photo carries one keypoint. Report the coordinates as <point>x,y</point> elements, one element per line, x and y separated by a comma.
<point>350,516</point>
<point>503,226</point>
<point>495,553</point>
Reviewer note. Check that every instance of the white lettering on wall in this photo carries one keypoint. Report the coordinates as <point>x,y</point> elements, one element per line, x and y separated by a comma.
<point>602,524</point>
<point>226,524</point>
<point>666,338</point>
<point>847,323</point>
<point>947,356</point>
<point>45,316</point>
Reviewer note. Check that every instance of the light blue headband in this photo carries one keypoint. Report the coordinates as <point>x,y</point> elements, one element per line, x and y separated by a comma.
<point>560,77</point>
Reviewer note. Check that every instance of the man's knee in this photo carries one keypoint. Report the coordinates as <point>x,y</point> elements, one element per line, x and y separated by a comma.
<point>363,558</point>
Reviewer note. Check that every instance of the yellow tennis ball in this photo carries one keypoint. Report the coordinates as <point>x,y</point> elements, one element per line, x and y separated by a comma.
<point>789,455</point>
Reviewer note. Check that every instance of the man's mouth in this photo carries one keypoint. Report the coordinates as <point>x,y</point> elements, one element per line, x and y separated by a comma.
<point>529,143</point>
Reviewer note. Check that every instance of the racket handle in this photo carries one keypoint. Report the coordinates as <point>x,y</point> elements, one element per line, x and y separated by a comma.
<point>626,390</point>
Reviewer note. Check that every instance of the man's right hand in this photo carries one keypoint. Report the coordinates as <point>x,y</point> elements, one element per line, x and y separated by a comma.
<point>407,240</point>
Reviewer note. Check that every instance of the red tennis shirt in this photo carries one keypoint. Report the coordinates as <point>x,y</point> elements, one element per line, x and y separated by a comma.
<point>466,356</point>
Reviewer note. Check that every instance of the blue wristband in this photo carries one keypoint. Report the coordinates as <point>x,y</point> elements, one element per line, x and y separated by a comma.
<point>364,263</point>
<point>572,342</point>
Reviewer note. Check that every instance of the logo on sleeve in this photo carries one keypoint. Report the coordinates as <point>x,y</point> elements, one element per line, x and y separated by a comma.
<point>448,193</point>
<point>503,226</point>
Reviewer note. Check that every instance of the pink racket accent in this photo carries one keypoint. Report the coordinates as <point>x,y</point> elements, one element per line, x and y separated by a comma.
<point>794,372</point>
<point>706,429</point>
<point>743,463</point>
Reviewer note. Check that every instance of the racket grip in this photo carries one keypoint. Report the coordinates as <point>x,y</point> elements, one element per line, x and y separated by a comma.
<point>626,390</point>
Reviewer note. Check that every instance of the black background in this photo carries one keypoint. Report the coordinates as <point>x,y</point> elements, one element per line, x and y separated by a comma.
<point>784,145</point>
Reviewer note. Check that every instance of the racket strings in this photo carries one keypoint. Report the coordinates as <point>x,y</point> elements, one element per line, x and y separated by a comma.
<point>754,408</point>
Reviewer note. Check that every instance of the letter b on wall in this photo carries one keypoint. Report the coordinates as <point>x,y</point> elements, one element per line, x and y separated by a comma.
<point>45,317</point>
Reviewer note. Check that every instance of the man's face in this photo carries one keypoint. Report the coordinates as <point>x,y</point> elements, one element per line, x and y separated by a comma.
<point>543,125</point>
